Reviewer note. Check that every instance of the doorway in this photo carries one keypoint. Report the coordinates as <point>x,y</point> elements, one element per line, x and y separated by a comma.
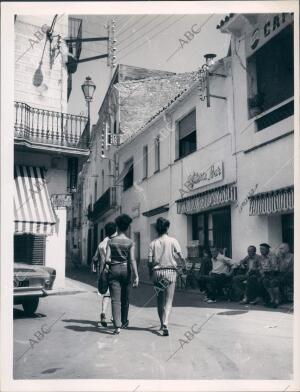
<point>213,228</point>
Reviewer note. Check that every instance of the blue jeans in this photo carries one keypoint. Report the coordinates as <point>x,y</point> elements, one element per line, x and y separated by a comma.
<point>119,285</point>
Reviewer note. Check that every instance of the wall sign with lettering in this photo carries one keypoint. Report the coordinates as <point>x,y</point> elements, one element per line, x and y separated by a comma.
<point>267,27</point>
<point>61,201</point>
<point>198,179</point>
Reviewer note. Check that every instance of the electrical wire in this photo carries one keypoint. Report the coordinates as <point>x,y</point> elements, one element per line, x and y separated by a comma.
<point>149,31</point>
<point>154,35</point>
<point>122,20</point>
<point>126,23</point>
<point>129,27</point>
<point>139,29</point>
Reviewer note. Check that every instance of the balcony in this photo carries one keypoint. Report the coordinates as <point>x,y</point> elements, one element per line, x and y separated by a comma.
<point>105,203</point>
<point>40,128</point>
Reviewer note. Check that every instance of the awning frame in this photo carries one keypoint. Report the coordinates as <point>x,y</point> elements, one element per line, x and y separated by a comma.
<point>272,202</point>
<point>202,201</point>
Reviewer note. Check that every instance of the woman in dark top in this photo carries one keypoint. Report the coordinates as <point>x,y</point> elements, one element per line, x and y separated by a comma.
<point>121,260</point>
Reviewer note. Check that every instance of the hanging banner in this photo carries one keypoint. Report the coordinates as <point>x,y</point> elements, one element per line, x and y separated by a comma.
<point>267,27</point>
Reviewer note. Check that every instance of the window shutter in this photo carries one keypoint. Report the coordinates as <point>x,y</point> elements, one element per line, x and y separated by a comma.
<point>177,142</point>
<point>29,249</point>
<point>187,125</point>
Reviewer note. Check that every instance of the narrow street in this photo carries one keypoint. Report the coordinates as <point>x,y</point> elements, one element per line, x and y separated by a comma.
<point>63,340</point>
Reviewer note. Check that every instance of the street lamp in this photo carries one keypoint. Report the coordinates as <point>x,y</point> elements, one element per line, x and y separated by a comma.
<point>88,89</point>
<point>203,78</point>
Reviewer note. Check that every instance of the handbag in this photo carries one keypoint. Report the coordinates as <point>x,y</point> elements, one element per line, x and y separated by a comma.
<point>103,281</point>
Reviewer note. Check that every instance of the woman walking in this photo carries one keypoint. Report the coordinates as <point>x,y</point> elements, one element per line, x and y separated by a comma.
<point>162,263</point>
<point>120,258</point>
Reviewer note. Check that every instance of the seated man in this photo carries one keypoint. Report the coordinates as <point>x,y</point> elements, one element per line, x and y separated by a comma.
<point>269,270</point>
<point>220,274</point>
<point>246,268</point>
<point>286,270</point>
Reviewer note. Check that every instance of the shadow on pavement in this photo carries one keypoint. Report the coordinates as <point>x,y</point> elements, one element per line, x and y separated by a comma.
<point>95,328</point>
<point>145,296</point>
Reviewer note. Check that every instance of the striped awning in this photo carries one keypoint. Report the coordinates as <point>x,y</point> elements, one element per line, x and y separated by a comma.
<point>204,200</point>
<point>272,202</point>
<point>32,206</point>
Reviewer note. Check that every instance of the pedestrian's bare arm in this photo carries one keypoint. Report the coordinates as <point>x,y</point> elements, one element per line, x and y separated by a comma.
<point>134,266</point>
<point>108,255</point>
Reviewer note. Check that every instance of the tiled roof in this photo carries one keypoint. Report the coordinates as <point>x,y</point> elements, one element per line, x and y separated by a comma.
<point>183,85</point>
<point>225,20</point>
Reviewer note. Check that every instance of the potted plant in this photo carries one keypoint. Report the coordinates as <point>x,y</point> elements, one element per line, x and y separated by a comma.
<point>255,104</point>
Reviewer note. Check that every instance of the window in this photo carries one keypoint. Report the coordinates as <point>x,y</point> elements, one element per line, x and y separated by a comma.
<point>157,154</point>
<point>186,135</point>
<point>271,73</point>
<point>145,162</point>
<point>213,228</point>
<point>128,178</point>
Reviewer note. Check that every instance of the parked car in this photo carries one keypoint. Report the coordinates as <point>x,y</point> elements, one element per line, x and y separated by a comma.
<point>31,282</point>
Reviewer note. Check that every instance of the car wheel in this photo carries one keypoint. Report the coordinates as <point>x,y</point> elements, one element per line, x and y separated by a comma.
<point>30,305</point>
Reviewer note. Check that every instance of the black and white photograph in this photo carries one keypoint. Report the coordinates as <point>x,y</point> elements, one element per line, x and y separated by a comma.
<point>149,164</point>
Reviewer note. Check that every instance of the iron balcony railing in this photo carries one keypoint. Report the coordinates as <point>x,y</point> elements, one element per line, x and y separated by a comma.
<point>49,127</point>
<point>105,202</point>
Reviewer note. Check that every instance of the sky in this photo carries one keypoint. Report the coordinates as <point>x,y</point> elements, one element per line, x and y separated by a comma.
<point>163,42</point>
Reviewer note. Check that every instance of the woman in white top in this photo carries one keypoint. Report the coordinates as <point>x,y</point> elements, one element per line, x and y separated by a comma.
<point>163,253</point>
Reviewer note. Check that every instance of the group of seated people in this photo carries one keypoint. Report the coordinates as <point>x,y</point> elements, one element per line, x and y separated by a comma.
<point>256,278</point>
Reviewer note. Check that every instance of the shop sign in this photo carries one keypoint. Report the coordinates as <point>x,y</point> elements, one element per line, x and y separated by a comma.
<point>265,29</point>
<point>207,176</point>
<point>61,201</point>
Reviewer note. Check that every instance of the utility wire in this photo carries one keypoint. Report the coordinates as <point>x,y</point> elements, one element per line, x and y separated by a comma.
<point>134,23</point>
<point>154,35</point>
<point>122,21</point>
<point>126,23</point>
<point>135,31</point>
<point>149,31</point>
<point>139,29</point>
